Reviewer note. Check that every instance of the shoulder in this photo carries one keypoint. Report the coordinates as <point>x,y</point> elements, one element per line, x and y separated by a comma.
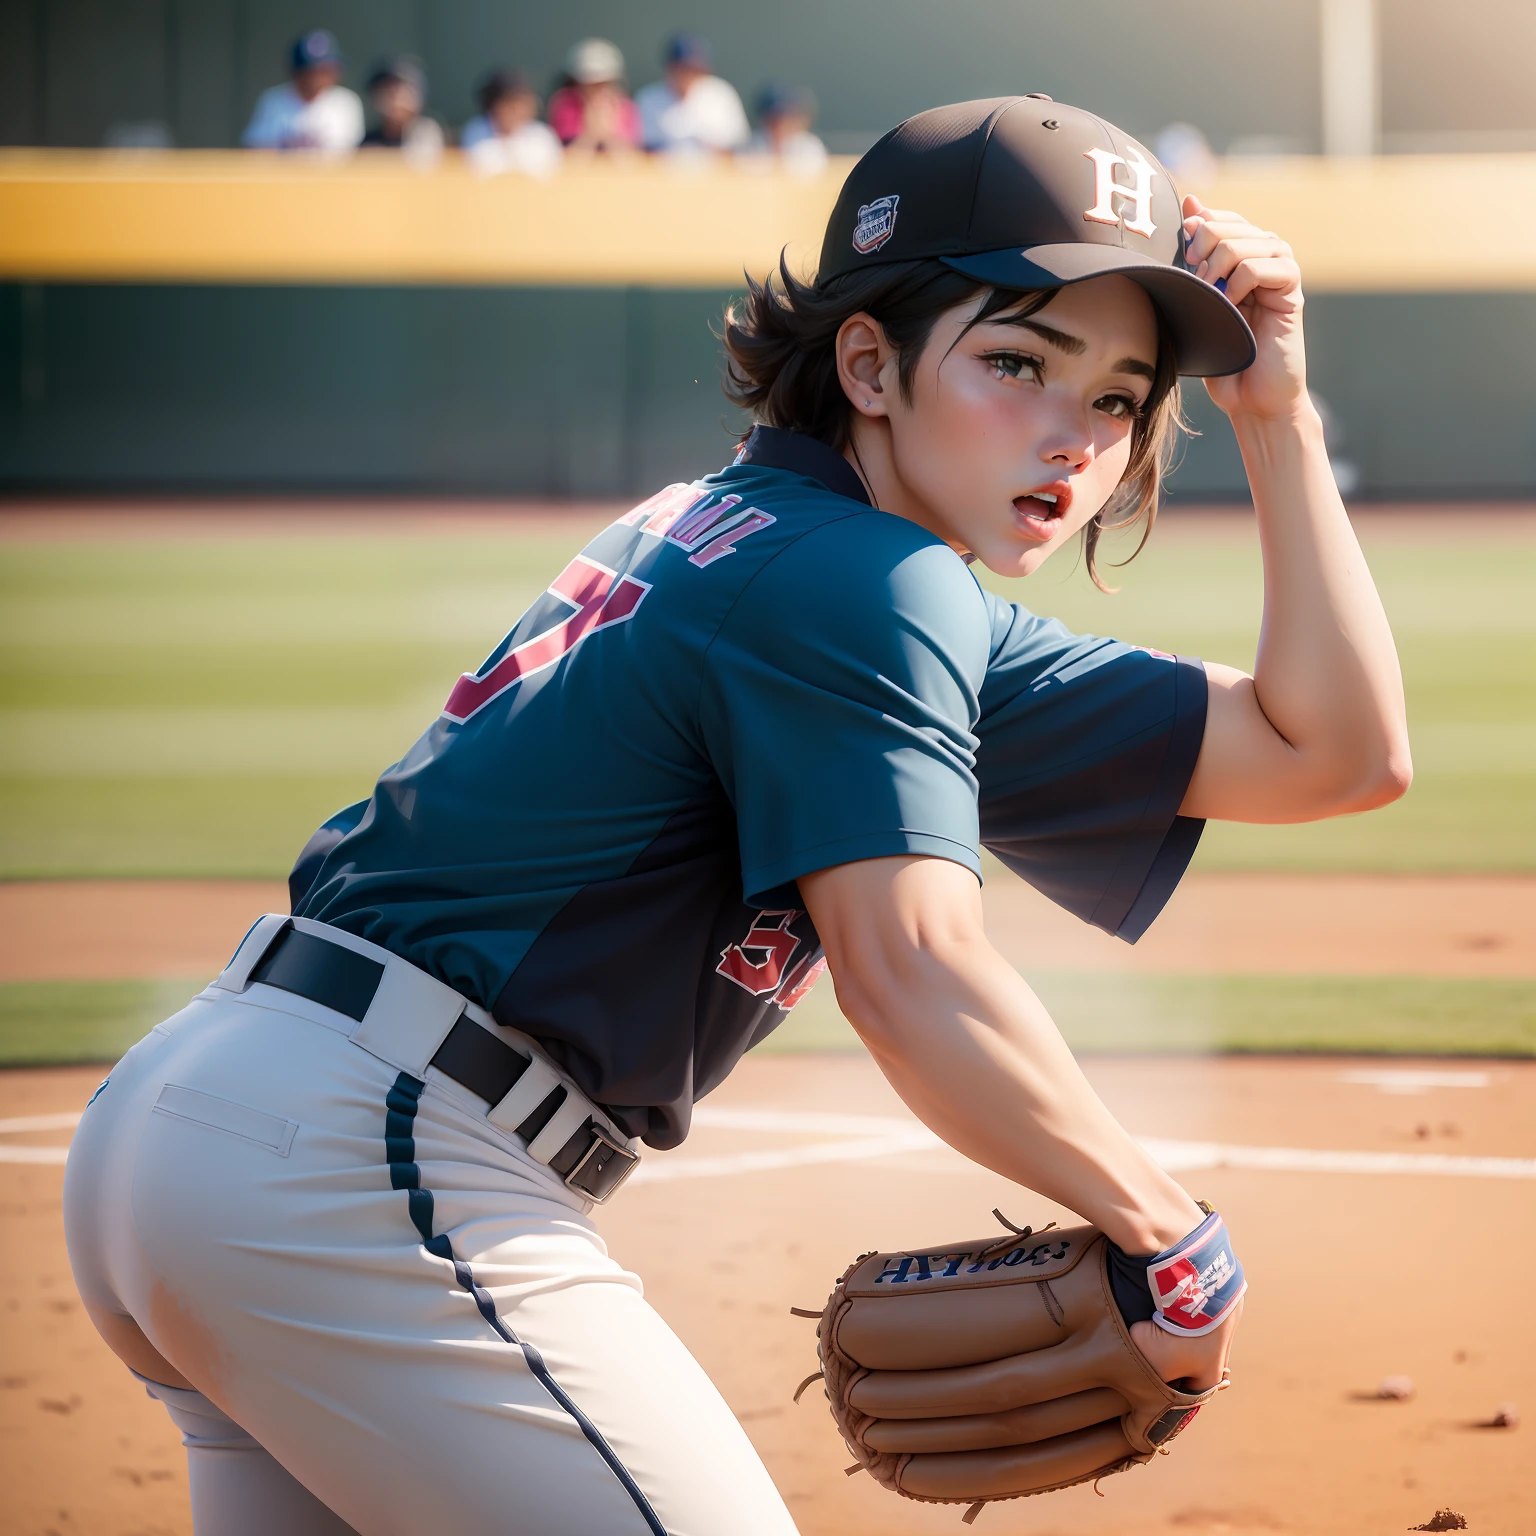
<point>718,91</point>
<point>276,99</point>
<point>342,107</point>
<point>869,585</point>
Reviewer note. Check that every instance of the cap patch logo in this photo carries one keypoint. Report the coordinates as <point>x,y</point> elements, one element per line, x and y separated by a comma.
<point>875,225</point>
<point>1106,189</point>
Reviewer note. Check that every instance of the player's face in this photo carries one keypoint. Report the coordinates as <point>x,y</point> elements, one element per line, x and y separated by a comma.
<point>1019,429</point>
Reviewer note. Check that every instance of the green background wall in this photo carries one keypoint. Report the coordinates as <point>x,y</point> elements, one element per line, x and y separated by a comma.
<point>603,392</point>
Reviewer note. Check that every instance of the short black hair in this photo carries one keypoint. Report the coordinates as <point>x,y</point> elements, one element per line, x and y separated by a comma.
<point>781,362</point>
<point>501,84</point>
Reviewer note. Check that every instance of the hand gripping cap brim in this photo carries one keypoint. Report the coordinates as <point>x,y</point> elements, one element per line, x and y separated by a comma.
<point>1210,336</point>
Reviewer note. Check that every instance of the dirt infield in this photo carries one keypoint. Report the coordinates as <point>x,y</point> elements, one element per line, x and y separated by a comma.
<point>1340,925</point>
<point>1385,1213</point>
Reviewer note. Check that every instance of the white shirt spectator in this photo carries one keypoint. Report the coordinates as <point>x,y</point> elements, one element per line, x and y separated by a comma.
<point>332,122</point>
<point>532,150</point>
<point>799,154</point>
<point>710,116</point>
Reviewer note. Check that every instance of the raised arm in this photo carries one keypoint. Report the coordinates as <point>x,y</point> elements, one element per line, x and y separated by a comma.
<point>1319,729</point>
<point>975,1056</point>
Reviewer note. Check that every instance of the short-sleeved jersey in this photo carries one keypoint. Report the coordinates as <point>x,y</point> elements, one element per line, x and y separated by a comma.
<point>740,682</point>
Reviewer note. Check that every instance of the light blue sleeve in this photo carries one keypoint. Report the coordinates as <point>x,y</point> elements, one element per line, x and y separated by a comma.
<point>265,129</point>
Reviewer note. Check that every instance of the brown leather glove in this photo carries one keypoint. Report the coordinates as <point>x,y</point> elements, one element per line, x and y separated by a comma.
<point>992,1370</point>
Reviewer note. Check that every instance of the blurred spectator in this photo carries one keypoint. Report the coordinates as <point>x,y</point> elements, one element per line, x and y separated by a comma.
<point>507,135</point>
<point>591,110</point>
<point>691,109</point>
<point>313,110</point>
<point>1186,154</point>
<point>397,92</point>
<point>784,137</point>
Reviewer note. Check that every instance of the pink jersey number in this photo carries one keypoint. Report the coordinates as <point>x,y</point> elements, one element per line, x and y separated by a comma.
<point>600,597</point>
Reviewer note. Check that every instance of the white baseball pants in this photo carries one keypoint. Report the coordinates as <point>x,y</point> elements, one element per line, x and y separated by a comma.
<point>369,1310</point>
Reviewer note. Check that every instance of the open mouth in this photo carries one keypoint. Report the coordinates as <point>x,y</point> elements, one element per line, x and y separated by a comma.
<point>1041,511</point>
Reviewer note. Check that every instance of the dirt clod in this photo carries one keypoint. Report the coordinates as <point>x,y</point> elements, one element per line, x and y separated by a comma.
<point>1395,1389</point>
<point>1442,1520</point>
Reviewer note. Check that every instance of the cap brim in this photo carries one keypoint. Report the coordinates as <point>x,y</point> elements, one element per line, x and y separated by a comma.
<point>1209,335</point>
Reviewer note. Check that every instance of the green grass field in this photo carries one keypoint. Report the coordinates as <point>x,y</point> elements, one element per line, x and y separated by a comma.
<point>195,706</point>
<point>48,1023</point>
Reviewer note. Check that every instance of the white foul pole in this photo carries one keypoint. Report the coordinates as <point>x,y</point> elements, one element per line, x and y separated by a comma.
<point>1351,92</point>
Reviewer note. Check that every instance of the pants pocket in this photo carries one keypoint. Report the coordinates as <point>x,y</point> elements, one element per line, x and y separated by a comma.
<point>252,1125</point>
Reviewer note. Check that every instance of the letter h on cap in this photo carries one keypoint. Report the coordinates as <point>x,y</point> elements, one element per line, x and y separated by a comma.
<point>1106,189</point>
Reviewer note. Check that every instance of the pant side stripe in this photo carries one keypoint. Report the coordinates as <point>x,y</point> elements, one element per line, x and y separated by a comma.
<point>404,1173</point>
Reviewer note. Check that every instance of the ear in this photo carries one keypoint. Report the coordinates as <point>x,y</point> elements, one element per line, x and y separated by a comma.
<point>866,364</point>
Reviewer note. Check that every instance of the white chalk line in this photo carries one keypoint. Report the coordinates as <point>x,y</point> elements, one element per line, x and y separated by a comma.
<point>850,1149</point>
<point>1413,1080</point>
<point>24,1123</point>
<point>882,1135</point>
<point>861,1137</point>
<point>64,1122</point>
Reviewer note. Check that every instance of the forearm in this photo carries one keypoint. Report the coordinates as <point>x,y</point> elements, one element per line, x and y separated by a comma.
<point>974,1054</point>
<point>1327,675</point>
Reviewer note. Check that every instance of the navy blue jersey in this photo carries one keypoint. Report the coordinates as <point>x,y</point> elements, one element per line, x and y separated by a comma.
<point>740,682</point>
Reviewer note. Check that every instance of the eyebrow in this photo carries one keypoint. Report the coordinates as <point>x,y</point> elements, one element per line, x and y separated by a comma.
<point>1075,346</point>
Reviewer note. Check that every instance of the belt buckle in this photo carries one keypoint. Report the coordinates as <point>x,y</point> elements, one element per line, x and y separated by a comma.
<point>603,1166</point>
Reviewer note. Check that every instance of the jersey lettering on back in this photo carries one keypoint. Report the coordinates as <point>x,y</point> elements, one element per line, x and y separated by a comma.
<point>692,519</point>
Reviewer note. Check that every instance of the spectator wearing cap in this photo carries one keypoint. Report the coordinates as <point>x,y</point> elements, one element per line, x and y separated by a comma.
<point>397,92</point>
<point>313,110</point>
<point>691,110</point>
<point>507,135</point>
<point>591,110</point>
<point>784,137</point>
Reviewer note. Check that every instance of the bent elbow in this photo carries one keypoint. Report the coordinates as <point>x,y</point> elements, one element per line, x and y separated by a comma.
<point>1398,779</point>
<point>1387,779</point>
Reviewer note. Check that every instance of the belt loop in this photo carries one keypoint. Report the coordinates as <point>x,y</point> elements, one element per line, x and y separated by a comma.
<point>409,1017</point>
<point>262,935</point>
<point>563,1124</point>
<point>528,1092</point>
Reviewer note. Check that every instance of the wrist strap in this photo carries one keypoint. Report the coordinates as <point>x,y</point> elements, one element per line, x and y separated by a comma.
<point>1197,1282</point>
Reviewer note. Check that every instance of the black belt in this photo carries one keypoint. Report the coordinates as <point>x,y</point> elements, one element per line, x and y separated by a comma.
<point>336,977</point>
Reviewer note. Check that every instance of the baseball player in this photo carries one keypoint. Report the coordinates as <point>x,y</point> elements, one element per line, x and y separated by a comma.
<point>336,1212</point>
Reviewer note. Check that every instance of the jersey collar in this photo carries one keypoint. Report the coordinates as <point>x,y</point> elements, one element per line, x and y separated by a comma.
<point>774,448</point>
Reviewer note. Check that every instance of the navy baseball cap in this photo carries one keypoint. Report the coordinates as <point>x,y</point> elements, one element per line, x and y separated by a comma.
<point>1024,192</point>
<point>687,48</point>
<point>315,48</point>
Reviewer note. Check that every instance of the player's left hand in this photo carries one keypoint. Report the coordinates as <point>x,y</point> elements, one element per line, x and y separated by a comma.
<point>1264,281</point>
<point>1199,1361</point>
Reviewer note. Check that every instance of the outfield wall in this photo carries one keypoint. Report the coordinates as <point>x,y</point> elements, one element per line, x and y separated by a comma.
<point>245,321</point>
<point>610,391</point>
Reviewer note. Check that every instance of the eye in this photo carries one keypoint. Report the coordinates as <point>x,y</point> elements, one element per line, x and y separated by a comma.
<point>1013,365</point>
<point>1121,407</point>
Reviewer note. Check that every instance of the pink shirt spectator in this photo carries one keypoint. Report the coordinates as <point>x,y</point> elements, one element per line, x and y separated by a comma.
<point>601,117</point>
